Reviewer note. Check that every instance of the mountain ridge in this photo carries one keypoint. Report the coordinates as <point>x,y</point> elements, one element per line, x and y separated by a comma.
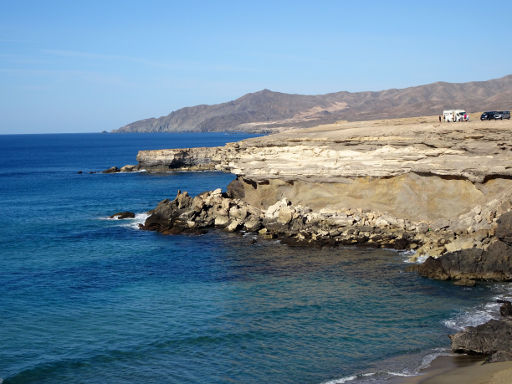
<point>267,111</point>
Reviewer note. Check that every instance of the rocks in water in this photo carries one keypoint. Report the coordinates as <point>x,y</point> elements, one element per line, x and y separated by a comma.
<point>125,168</point>
<point>123,215</point>
<point>112,170</point>
<point>492,339</point>
<point>129,168</point>
<point>294,224</point>
<point>209,209</point>
<point>493,264</point>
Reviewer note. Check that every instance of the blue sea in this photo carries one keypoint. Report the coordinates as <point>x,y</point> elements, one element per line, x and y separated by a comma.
<point>85,299</point>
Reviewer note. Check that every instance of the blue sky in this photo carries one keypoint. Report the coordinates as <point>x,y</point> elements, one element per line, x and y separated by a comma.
<point>77,66</point>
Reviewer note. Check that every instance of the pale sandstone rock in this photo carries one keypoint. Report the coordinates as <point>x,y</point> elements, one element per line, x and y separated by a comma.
<point>234,225</point>
<point>221,221</point>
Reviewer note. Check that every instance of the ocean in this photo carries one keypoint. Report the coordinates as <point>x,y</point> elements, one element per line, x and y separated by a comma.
<point>86,299</point>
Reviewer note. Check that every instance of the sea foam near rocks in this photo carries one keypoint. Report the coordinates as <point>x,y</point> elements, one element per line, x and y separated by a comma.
<point>133,223</point>
<point>139,218</point>
<point>480,314</point>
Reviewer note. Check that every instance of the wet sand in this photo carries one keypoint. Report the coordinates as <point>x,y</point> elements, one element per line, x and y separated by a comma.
<point>464,370</point>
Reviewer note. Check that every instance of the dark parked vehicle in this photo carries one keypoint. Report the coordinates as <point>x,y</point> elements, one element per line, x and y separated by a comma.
<point>487,115</point>
<point>495,115</point>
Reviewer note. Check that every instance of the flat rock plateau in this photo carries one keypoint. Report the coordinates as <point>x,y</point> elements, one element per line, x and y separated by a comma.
<point>442,190</point>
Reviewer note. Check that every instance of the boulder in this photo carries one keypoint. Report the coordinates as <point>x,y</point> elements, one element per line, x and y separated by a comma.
<point>221,221</point>
<point>237,212</point>
<point>252,224</point>
<point>171,216</point>
<point>285,215</point>
<point>485,339</point>
<point>504,228</point>
<point>506,308</point>
<point>499,356</point>
<point>234,225</point>
<point>128,168</point>
<point>493,264</point>
<point>122,215</point>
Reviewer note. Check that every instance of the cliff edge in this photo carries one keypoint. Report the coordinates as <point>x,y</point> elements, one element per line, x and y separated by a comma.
<point>411,183</point>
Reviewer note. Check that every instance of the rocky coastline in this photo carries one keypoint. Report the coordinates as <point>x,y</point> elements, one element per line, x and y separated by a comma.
<point>440,190</point>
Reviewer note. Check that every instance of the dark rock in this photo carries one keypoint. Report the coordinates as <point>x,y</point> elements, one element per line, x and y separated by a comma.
<point>504,228</point>
<point>431,268</point>
<point>485,339</point>
<point>91,172</point>
<point>112,170</point>
<point>494,264</point>
<point>170,217</point>
<point>123,215</point>
<point>499,356</point>
<point>80,172</point>
<point>506,308</point>
<point>236,189</point>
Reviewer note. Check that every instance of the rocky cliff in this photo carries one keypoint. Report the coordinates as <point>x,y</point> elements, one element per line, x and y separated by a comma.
<point>266,111</point>
<point>406,183</point>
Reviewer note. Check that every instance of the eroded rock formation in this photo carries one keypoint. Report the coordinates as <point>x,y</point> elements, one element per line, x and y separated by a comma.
<point>441,186</point>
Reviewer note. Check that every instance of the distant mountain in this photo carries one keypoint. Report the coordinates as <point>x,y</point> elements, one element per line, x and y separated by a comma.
<point>267,111</point>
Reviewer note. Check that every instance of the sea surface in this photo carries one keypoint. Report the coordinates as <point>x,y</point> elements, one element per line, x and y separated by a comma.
<point>85,299</point>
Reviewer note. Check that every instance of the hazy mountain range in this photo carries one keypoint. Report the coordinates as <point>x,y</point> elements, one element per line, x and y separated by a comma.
<point>267,110</point>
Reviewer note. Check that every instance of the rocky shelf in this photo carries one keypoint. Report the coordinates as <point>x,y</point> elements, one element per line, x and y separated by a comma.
<point>407,183</point>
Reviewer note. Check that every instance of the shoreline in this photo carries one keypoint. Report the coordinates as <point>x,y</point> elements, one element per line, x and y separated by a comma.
<point>461,369</point>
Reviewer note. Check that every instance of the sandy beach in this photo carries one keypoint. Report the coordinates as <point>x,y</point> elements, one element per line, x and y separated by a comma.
<point>463,369</point>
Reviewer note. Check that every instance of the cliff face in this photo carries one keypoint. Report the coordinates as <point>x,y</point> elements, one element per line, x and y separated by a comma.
<point>444,183</point>
<point>266,111</point>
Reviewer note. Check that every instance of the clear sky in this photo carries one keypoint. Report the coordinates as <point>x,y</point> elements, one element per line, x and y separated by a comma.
<point>88,66</point>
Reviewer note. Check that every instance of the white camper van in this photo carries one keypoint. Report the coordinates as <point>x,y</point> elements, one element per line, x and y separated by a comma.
<point>455,115</point>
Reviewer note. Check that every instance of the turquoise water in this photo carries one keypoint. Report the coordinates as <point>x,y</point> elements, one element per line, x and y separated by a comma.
<point>89,300</point>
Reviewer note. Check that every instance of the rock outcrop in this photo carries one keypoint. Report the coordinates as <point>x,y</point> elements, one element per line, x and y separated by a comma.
<point>491,263</point>
<point>122,215</point>
<point>292,224</point>
<point>492,339</point>
<point>441,186</point>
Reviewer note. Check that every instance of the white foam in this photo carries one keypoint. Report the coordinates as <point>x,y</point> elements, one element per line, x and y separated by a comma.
<point>349,378</point>
<point>341,380</point>
<point>481,313</point>
<point>425,363</point>
<point>428,359</point>
<point>139,218</point>
<point>133,223</point>
<point>404,373</point>
<point>107,218</point>
<point>407,257</point>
